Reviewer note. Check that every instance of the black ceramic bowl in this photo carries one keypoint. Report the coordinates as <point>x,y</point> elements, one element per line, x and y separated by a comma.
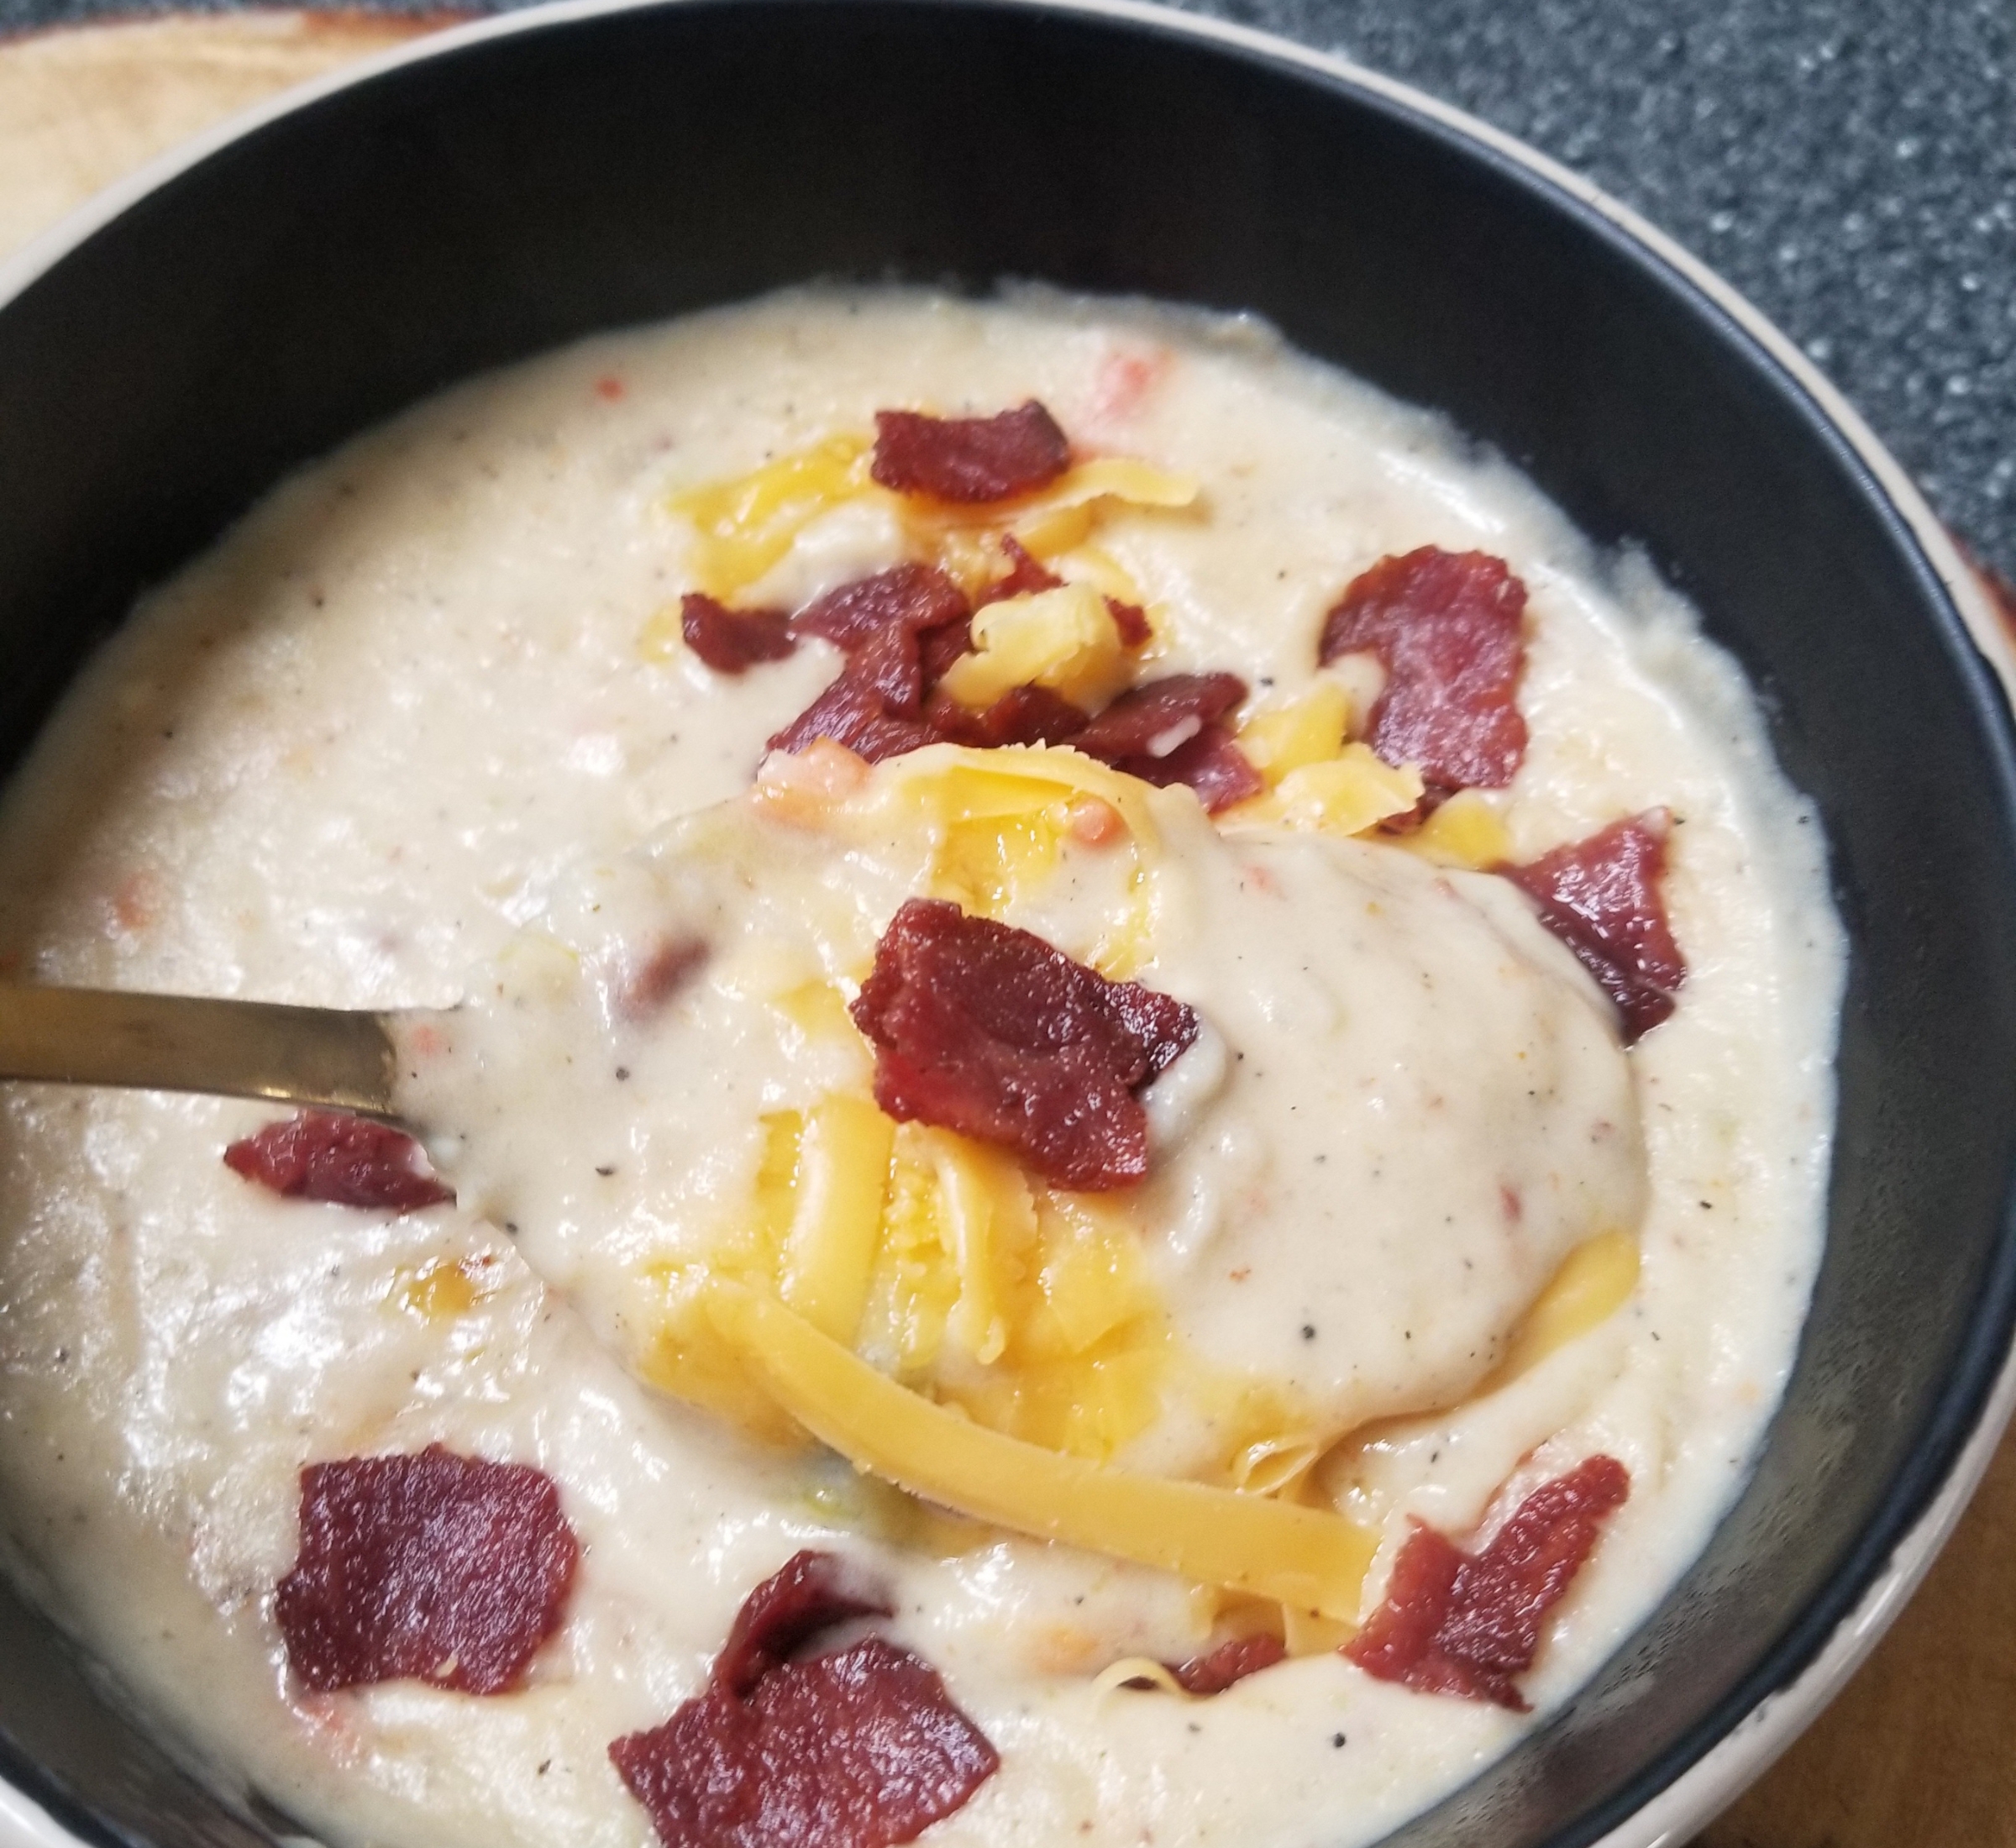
<point>518,184</point>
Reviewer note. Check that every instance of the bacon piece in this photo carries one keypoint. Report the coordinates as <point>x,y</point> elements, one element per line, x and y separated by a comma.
<point>1131,620</point>
<point>446,1568</point>
<point>1447,627</point>
<point>854,714</point>
<point>1168,730</point>
<point>915,597</point>
<point>1457,1623</point>
<point>969,459</point>
<point>1023,715</point>
<point>1026,576</point>
<point>901,629</point>
<point>348,1160</point>
<point>665,972</point>
<point>733,641</point>
<point>1214,1671</point>
<point>1602,897</point>
<point>1154,719</point>
<point>857,1749</point>
<point>938,649</point>
<point>784,1613</point>
<point>988,1029</point>
<point>1211,763</point>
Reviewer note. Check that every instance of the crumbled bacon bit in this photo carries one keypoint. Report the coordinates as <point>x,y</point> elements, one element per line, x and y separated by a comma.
<point>1133,623</point>
<point>733,641</point>
<point>1026,576</point>
<point>448,1569</point>
<point>1214,1671</point>
<point>915,597</point>
<point>969,459</point>
<point>1157,717</point>
<point>1447,627</point>
<point>1603,898</point>
<point>789,1608</point>
<point>347,1161</point>
<point>1023,715</point>
<point>1457,1623</point>
<point>1211,763</point>
<point>854,715</point>
<point>861,1748</point>
<point>900,629</point>
<point>665,972</point>
<point>1168,730</point>
<point>988,1029</point>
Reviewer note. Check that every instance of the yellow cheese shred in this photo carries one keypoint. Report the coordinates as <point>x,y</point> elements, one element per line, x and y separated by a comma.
<point>842,1182</point>
<point>1306,1556</point>
<point>1594,1281</point>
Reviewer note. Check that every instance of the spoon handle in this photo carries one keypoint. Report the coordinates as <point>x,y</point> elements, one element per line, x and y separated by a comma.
<point>178,1042</point>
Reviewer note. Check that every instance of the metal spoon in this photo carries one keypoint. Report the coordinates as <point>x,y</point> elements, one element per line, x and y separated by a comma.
<point>180,1042</point>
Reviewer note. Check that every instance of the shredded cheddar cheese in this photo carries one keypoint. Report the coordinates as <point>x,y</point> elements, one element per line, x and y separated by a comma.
<point>1465,830</point>
<point>1274,1549</point>
<point>1065,639</point>
<point>1309,730</point>
<point>1594,1281</point>
<point>1346,794</point>
<point>743,527</point>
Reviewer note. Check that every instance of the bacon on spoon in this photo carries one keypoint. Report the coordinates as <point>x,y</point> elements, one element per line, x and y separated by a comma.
<point>987,1030</point>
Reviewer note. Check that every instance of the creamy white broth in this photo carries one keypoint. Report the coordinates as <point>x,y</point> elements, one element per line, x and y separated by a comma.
<point>363,749</point>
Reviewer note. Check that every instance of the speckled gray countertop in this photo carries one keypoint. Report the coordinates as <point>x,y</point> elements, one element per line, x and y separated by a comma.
<point>1852,167</point>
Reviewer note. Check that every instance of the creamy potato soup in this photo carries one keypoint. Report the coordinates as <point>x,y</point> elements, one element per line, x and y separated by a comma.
<point>1125,1051</point>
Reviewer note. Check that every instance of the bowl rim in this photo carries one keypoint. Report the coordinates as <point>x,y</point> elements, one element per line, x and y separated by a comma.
<point>1682,1789</point>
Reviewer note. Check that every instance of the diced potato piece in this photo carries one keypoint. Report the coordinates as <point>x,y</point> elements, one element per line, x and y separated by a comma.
<point>1465,830</point>
<point>1065,639</point>
<point>1349,794</point>
<point>1309,730</point>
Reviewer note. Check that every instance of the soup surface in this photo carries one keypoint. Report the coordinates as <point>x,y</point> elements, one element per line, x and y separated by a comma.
<point>1394,1218</point>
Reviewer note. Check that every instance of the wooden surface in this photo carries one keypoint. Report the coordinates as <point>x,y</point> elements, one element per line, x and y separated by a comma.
<point>1916,1753</point>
